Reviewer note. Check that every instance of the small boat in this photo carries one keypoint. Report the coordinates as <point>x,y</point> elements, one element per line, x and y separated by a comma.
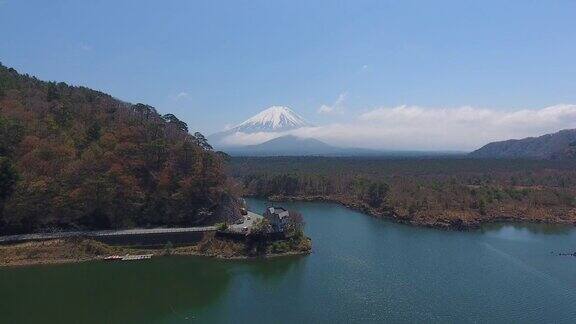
<point>113,258</point>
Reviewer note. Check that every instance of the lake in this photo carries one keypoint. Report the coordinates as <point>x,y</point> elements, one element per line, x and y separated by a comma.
<point>361,270</point>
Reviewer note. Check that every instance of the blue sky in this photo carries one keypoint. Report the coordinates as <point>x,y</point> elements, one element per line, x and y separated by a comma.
<point>215,63</point>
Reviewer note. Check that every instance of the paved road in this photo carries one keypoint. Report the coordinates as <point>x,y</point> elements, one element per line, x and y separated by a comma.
<point>134,231</point>
<point>249,221</point>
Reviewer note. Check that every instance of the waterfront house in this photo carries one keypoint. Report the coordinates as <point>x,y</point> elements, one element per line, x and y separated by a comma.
<point>278,218</point>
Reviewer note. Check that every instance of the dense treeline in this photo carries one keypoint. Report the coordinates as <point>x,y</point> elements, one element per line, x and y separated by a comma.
<point>436,192</point>
<point>72,157</point>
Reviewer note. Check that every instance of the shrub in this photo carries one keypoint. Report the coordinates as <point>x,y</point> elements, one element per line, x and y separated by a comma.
<point>261,227</point>
<point>168,248</point>
<point>280,247</point>
<point>221,226</point>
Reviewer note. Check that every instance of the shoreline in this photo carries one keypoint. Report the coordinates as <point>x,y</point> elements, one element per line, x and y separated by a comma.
<point>457,224</point>
<point>216,257</point>
<point>77,250</point>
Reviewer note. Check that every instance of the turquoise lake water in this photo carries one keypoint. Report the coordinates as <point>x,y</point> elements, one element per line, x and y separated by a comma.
<point>361,270</point>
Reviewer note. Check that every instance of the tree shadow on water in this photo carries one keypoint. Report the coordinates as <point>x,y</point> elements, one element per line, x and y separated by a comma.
<point>97,292</point>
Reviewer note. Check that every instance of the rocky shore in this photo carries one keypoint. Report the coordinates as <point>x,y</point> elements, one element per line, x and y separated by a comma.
<point>446,219</point>
<point>73,250</point>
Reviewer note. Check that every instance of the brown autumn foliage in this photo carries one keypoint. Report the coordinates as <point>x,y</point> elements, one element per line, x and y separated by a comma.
<point>441,192</point>
<point>72,157</point>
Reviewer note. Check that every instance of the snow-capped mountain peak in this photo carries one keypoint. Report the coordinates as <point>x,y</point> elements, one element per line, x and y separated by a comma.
<point>275,118</point>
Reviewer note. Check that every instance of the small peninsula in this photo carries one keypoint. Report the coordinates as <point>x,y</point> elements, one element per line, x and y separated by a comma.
<point>279,232</point>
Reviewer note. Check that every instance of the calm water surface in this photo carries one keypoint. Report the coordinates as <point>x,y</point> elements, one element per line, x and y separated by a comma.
<point>361,270</point>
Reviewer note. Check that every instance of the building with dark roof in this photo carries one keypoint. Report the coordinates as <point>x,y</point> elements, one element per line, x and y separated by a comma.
<point>278,218</point>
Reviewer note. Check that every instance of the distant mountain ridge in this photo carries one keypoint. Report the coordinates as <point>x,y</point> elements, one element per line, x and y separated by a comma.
<point>288,145</point>
<point>559,145</point>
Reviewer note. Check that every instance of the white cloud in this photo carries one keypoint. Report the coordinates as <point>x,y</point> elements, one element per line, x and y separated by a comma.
<point>424,128</point>
<point>240,138</point>
<point>463,128</point>
<point>336,108</point>
<point>181,96</point>
<point>325,109</point>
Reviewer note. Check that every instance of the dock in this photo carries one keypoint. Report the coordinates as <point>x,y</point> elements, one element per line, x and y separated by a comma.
<point>129,257</point>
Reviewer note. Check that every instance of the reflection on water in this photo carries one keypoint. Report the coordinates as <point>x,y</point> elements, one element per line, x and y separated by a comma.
<point>104,292</point>
<point>524,231</point>
<point>534,228</point>
<point>96,292</point>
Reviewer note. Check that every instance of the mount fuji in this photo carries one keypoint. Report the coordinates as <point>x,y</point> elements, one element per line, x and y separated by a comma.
<point>276,122</point>
<point>275,119</point>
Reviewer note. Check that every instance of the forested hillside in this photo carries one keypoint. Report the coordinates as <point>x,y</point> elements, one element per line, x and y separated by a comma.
<point>73,158</point>
<point>560,146</point>
<point>442,192</point>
